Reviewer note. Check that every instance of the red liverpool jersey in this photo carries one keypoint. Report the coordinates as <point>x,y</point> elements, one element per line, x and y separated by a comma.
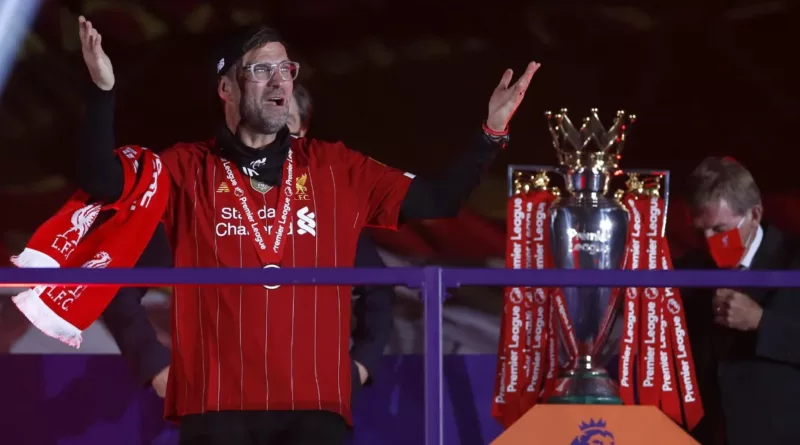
<point>252,348</point>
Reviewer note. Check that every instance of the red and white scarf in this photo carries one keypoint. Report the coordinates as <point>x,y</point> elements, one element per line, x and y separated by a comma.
<point>69,239</point>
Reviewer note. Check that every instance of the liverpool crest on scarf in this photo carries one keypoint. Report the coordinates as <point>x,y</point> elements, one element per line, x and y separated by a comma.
<point>74,237</point>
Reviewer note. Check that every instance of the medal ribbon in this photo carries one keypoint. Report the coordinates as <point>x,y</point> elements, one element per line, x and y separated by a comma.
<point>269,245</point>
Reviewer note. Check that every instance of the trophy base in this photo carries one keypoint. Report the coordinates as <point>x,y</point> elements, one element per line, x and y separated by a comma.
<point>585,387</point>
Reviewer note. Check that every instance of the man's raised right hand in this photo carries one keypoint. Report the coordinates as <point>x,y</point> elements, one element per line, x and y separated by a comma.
<point>96,60</point>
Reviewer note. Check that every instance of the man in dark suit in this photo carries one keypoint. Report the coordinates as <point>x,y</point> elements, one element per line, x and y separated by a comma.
<point>128,323</point>
<point>746,342</point>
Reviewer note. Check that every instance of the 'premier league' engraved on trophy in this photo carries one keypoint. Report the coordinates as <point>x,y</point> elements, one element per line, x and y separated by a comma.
<point>588,214</point>
<point>588,230</point>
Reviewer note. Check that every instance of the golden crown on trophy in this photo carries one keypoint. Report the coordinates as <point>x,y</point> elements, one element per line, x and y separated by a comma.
<point>574,148</point>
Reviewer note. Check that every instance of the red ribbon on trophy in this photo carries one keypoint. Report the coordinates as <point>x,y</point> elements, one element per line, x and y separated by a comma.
<point>675,318</point>
<point>508,391</point>
<point>655,361</point>
<point>535,304</point>
<point>655,323</point>
<point>527,356</point>
<point>629,345</point>
<point>643,307</point>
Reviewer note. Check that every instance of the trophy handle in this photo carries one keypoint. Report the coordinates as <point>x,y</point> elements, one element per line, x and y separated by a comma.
<point>665,174</point>
<point>513,169</point>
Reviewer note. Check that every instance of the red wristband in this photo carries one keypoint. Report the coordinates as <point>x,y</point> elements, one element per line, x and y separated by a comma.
<point>491,132</point>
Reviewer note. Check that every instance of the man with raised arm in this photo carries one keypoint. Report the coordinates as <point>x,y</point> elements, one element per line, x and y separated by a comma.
<point>269,364</point>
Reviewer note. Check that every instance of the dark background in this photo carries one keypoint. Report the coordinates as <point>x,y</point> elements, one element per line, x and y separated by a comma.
<point>408,81</point>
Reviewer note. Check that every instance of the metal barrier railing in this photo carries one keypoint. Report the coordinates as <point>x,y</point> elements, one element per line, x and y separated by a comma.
<point>433,282</point>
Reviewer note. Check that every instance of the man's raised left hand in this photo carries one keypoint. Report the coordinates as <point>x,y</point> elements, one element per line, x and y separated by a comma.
<point>506,97</point>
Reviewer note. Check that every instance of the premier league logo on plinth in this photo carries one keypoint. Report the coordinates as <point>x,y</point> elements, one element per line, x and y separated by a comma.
<point>594,433</point>
<point>586,213</point>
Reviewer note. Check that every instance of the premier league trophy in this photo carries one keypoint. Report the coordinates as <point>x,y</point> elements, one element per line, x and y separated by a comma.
<point>556,343</point>
<point>588,230</point>
<point>588,218</point>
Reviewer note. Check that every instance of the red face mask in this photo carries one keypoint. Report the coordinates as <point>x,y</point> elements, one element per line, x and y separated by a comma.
<point>726,248</point>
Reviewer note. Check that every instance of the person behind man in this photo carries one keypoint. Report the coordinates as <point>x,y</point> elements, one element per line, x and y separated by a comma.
<point>372,305</point>
<point>300,109</point>
<point>127,321</point>
<point>268,364</point>
<point>746,342</point>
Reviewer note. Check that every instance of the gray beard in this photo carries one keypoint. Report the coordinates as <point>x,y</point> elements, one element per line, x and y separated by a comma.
<point>259,121</point>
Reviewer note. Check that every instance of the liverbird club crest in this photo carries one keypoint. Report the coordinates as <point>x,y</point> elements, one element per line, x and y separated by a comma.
<point>301,191</point>
<point>594,433</point>
<point>82,220</point>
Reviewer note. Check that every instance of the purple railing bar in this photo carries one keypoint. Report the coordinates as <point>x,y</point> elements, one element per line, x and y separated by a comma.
<point>412,277</point>
<point>13,277</point>
<point>612,278</point>
<point>433,296</point>
<point>433,280</point>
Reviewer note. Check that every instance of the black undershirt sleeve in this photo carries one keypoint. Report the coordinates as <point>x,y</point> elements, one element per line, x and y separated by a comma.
<point>443,196</point>
<point>99,172</point>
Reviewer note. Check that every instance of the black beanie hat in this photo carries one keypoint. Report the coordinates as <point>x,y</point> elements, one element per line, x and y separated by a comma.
<point>234,45</point>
